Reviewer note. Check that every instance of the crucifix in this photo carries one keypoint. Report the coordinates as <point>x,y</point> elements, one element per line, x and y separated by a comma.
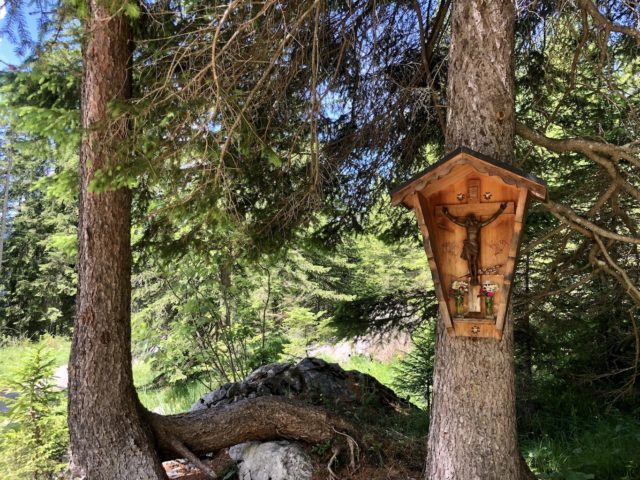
<point>473,216</point>
<point>470,209</point>
<point>471,248</point>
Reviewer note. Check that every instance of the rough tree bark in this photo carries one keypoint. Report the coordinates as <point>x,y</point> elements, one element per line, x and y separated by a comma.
<point>109,439</point>
<point>472,432</point>
<point>262,418</point>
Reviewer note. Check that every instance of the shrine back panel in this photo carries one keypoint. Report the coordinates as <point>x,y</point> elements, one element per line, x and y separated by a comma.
<point>471,215</point>
<point>470,239</point>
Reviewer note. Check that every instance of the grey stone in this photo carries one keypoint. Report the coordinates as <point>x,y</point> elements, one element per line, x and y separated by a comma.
<point>263,390</point>
<point>4,407</point>
<point>271,461</point>
<point>267,371</point>
<point>61,377</point>
<point>233,391</point>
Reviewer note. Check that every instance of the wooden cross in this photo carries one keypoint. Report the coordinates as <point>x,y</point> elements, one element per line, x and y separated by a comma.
<point>471,215</point>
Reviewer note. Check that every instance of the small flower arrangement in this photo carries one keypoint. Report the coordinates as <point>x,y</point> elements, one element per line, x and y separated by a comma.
<point>458,290</point>
<point>488,291</point>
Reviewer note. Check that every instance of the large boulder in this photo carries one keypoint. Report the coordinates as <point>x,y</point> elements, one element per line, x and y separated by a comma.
<point>271,461</point>
<point>352,394</point>
<point>313,380</point>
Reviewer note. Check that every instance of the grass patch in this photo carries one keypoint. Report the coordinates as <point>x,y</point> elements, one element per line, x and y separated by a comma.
<point>12,351</point>
<point>173,398</point>
<point>602,448</point>
<point>177,398</point>
<point>143,373</point>
<point>383,372</point>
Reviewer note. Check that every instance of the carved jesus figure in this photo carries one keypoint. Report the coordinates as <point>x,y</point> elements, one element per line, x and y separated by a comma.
<point>471,248</point>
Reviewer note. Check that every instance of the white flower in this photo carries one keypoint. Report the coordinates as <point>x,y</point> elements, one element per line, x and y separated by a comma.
<point>490,287</point>
<point>460,286</point>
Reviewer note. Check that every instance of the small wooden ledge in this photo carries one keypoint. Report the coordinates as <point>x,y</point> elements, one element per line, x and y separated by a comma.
<point>476,327</point>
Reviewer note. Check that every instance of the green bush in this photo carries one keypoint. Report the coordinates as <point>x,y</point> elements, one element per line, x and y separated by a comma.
<point>34,438</point>
<point>414,373</point>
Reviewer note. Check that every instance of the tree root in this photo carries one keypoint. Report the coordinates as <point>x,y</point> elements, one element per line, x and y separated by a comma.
<point>332,474</point>
<point>169,440</point>
<point>181,450</point>
<point>354,450</point>
<point>191,434</point>
<point>354,455</point>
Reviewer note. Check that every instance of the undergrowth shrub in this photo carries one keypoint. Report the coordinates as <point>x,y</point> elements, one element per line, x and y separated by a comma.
<point>33,433</point>
<point>414,373</point>
<point>599,447</point>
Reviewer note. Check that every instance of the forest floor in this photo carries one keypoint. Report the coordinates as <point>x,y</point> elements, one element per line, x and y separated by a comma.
<point>220,463</point>
<point>580,442</point>
<point>226,468</point>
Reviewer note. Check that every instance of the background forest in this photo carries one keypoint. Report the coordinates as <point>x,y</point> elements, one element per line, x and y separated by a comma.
<point>249,251</point>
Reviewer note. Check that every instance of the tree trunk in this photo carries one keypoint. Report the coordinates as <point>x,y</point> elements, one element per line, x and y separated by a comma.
<point>108,437</point>
<point>473,420</point>
<point>524,335</point>
<point>112,435</point>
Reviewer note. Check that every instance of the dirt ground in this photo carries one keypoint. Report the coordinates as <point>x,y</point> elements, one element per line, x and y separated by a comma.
<point>223,465</point>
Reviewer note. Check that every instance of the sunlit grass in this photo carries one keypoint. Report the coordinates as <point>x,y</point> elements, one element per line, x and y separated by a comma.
<point>383,372</point>
<point>172,399</point>
<point>143,373</point>
<point>12,351</point>
<point>176,398</point>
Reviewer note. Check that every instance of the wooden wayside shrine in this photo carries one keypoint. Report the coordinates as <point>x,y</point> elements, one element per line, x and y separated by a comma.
<point>470,210</point>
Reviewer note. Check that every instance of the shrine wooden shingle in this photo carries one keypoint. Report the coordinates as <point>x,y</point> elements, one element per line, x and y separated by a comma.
<point>470,210</point>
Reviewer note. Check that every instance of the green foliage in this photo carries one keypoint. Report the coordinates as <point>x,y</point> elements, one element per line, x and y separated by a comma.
<point>390,287</point>
<point>306,328</point>
<point>574,324</point>
<point>34,436</point>
<point>200,318</point>
<point>39,124</point>
<point>601,447</point>
<point>132,10</point>
<point>271,351</point>
<point>414,373</point>
<point>217,315</point>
